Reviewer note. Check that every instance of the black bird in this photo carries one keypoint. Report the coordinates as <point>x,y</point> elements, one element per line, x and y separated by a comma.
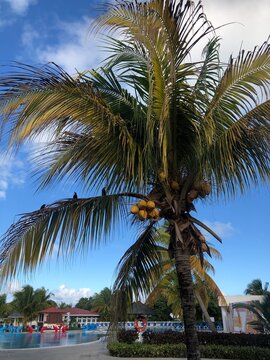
<point>104,192</point>
<point>42,206</point>
<point>75,196</point>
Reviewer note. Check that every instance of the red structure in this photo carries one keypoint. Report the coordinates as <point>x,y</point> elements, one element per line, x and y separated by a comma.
<point>67,316</point>
<point>30,329</point>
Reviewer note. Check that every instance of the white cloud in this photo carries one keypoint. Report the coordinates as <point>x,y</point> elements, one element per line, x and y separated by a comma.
<point>250,23</point>
<point>5,22</point>
<point>29,35</point>
<point>20,7</point>
<point>10,288</point>
<point>11,173</point>
<point>2,194</point>
<point>223,230</point>
<point>78,49</point>
<point>70,295</point>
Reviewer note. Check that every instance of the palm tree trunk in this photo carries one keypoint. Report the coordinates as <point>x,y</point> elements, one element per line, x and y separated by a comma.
<point>205,312</point>
<point>183,269</point>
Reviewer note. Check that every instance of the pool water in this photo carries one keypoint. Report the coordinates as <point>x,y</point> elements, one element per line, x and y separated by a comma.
<point>37,340</point>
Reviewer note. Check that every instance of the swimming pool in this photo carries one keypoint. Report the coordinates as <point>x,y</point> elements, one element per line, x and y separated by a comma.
<point>37,340</point>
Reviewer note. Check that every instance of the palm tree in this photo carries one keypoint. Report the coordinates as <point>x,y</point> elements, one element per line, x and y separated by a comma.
<point>256,288</point>
<point>3,306</point>
<point>63,305</point>
<point>150,125</point>
<point>102,304</point>
<point>131,279</point>
<point>29,301</point>
<point>85,303</point>
<point>262,312</point>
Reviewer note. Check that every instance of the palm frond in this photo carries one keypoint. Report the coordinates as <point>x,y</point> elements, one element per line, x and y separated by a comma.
<point>95,108</point>
<point>162,34</point>
<point>205,227</point>
<point>239,87</point>
<point>140,265</point>
<point>209,71</point>
<point>243,149</point>
<point>70,225</point>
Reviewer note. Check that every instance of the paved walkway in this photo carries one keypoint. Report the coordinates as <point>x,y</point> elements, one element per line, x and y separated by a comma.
<point>95,351</point>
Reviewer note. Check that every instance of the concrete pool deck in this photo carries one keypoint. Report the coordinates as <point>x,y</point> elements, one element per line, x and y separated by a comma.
<point>93,351</point>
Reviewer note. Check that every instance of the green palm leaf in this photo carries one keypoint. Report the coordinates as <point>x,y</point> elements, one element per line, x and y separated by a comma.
<point>70,225</point>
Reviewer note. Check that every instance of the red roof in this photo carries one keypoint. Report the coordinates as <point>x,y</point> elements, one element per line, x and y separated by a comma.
<point>72,311</point>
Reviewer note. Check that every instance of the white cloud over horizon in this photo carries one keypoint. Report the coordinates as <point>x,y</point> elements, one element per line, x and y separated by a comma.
<point>70,295</point>
<point>10,288</point>
<point>20,7</point>
<point>62,294</point>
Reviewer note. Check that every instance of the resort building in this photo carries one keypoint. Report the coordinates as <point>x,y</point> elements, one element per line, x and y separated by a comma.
<point>70,316</point>
<point>236,320</point>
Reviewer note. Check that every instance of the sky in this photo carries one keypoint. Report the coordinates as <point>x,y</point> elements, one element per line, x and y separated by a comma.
<point>39,31</point>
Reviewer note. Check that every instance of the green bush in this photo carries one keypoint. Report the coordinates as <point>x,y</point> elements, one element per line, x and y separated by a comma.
<point>207,338</point>
<point>143,350</point>
<point>235,352</point>
<point>179,350</point>
<point>127,337</point>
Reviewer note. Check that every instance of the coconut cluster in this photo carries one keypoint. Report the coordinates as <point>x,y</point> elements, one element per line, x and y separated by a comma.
<point>202,189</point>
<point>174,185</point>
<point>145,210</point>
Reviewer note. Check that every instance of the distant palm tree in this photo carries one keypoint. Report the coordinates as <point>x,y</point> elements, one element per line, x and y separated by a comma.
<point>29,301</point>
<point>102,303</point>
<point>63,305</point>
<point>3,306</point>
<point>151,125</point>
<point>262,312</point>
<point>256,288</point>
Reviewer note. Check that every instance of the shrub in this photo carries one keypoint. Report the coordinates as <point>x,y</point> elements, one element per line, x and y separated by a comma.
<point>127,337</point>
<point>234,352</point>
<point>179,350</point>
<point>143,350</point>
<point>208,338</point>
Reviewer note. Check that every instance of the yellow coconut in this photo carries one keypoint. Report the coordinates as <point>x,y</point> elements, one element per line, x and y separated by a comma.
<point>175,185</point>
<point>142,215</point>
<point>162,176</point>
<point>142,204</point>
<point>154,213</point>
<point>150,205</point>
<point>134,209</point>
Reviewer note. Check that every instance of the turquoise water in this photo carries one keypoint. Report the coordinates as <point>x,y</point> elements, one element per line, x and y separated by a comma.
<point>37,340</point>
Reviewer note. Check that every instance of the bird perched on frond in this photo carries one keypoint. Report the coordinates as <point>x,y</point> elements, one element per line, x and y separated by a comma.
<point>75,196</point>
<point>103,192</point>
<point>42,206</point>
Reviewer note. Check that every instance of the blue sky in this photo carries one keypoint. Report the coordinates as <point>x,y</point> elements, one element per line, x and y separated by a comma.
<point>38,31</point>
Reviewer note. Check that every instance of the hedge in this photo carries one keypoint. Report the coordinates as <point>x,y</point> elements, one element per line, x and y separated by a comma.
<point>179,350</point>
<point>206,338</point>
<point>127,336</point>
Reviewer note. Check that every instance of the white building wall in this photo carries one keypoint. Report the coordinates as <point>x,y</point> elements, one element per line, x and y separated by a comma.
<point>227,311</point>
